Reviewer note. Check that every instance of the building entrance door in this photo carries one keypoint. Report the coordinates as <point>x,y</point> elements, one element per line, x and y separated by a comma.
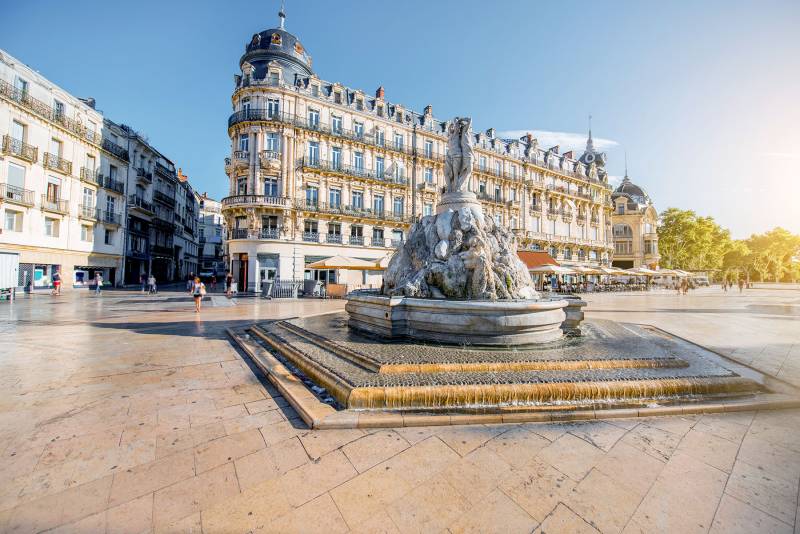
<point>243,272</point>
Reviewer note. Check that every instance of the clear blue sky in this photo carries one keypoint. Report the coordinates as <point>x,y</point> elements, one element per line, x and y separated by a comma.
<point>703,96</point>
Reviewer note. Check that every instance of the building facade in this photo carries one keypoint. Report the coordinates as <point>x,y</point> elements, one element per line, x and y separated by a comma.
<point>211,232</point>
<point>635,223</point>
<point>61,195</point>
<point>318,169</point>
<point>81,194</point>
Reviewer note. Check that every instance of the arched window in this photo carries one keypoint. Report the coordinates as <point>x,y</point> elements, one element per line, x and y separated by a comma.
<point>622,230</point>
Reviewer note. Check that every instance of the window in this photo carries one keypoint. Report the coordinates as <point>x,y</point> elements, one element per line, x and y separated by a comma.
<point>241,185</point>
<point>16,179</point>
<point>51,227</point>
<point>498,220</point>
<point>379,166</point>
<point>273,107</point>
<point>429,175</point>
<point>379,137</point>
<point>112,172</point>
<point>357,231</point>
<point>21,85</point>
<point>244,143</point>
<point>58,109</point>
<point>358,199</point>
<point>337,97</point>
<point>380,110</point>
<point>310,227</point>
<point>108,238</point>
<point>358,129</point>
<point>513,172</point>
<point>358,160</point>
<point>53,188</point>
<point>313,152</point>
<point>377,234</point>
<point>497,193</point>
<point>377,203</point>
<point>622,230</point>
<point>397,237</point>
<point>398,141</point>
<point>269,223</point>
<point>272,143</point>
<point>91,163</point>
<point>336,124</point>
<point>18,131</point>
<point>336,157</point>
<point>56,147</point>
<point>335,198</point>
<point>13,221</point>
<point>483,163</point>
<point>482,187</point>
<point>274,77</point>
<point>553,251</point>
<point>314,90</point>
<point>360,104</point>
<point>313,118</point>
<point>88,200</point>
<point>512,194</point>
<point>498,168</point>
<point>398,205</point>
<point>312,196</point>
<point>567,253</point>
<point>271,186</point>
<point>427,209</point>
<point>399,171</point>
<point>428,148</point>
<point>87,233</point>
<point>399,117</point>
<point>621,208</point>
<point>246,106</point>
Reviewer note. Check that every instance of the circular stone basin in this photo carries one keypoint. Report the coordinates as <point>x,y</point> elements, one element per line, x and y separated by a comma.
<point>461,322</point>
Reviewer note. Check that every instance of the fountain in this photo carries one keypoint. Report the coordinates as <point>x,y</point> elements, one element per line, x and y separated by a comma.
<point>459,334</point>
<point>457,278</point>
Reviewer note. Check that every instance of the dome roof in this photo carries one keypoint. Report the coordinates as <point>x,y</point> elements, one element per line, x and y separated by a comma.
<point>280,46</point>
<point>631,191</point>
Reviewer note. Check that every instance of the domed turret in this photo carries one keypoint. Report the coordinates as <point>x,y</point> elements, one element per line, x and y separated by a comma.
<point>279,46</point>
<point>632,192</point>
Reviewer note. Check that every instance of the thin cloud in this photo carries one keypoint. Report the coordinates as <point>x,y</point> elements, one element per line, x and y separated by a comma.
<point>785,155</point>
<point>565,140</point>
<point>614,180</point>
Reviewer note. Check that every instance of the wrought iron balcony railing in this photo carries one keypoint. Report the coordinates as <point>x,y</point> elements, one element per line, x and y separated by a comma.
<point>255,200</point>
<point>270,155</point>
<point>353,211</point>
<point>311,237</point>
<point>116,150</point>
<point>87,212</point>
<point>164,171</point>
<point>17,195</point>
<point>16,147</point>
<point>241,155</point>
<point>349,170</point>
<point>57,163</point>
<point>46,111</point>
<point>109,217</point>
<point>54,204</point>
<point>136,201</point>
<point>163,197</point>
<point>144,175</point>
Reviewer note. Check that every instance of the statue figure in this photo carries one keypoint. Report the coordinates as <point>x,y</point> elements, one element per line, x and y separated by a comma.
<point>458,163</point>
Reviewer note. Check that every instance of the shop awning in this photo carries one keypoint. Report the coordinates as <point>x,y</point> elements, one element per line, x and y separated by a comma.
<point>535,258</point>
<point>342,262</point>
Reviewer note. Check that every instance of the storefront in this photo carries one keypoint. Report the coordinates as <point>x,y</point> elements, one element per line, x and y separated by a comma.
<point>84,275</point>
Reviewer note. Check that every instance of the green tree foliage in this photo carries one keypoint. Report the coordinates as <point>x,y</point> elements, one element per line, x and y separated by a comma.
<point>690,242</point>
<point>774,255</point>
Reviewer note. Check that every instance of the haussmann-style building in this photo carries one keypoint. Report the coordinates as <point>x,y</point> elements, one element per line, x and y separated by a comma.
<point>635,223</point>
<point>318,169</point>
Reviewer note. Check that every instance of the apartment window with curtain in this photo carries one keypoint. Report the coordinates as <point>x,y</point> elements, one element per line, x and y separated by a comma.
<point>428,148</point>
<point>427,209</point>
<point>273,107</point>
<point>358,129</point>
<point>429,175</point>
<point>313,117</point>
<point>380,137</point>
<point>377,203</point>
<point>244,144</point>
<point>336,124</point>
<point>271,187</point>
<point>335,198</point>
<point>336,157</point>
<point>312,196</point>
<point>358,160</point>
<point>398,140</point>
<point>358,199</point>
<point>246,105</point>
<point>379,165</point>
<point>241,185</point>
<point>398,205</point>
<point>313,152</point>
<point>272,142</point>
<point>483,163</point>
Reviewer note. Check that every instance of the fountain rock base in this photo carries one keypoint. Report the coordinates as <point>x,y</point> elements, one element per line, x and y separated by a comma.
<point>468,322</point>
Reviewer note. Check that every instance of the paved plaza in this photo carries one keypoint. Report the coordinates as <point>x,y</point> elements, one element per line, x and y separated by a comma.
<point>129,413</point>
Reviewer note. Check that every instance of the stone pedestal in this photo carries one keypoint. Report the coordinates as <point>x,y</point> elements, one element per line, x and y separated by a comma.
<point>458,199</point>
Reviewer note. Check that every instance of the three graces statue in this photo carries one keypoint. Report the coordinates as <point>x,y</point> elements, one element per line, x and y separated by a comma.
<point>458,163</point>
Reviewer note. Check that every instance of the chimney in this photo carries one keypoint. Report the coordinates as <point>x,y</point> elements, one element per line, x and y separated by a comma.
<point>89,102</point>
<point>182,177</point>
<point>490,133</point>
<point>568,155</point>
<point>380,93</point>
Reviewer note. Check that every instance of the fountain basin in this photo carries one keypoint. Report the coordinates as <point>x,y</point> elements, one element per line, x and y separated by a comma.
<point>461,322</point>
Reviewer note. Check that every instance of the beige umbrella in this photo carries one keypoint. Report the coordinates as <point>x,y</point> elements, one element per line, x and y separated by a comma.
<point>383,263</point>
<point>553,269</point>
<point>588,270</point>
<point>342,262</point>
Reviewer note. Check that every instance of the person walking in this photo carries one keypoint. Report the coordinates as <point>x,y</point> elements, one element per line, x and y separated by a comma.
<point>229,284</point>
<point>98,283</point>
<point>213,283</point>
<point>151,284</point>
<point>57,283</point>
<point>143,281</point>
<point>741,285</point>
<point>190,282</point>
<point>198,292</point>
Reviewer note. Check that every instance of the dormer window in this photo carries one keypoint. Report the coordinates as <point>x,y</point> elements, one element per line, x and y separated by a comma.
<point>276,39</point>
<point>399,117</point>
<point>314,89</point>
<point>337,97</point>
<point>274,77</point>
<point>360,104</point>
<point>380,111</point>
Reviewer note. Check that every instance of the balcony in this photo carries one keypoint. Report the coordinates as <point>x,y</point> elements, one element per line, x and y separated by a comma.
<point>595,221</point>
<point>90,176</point>
<point>164,197</point>
<point>427,187</point>
<point>17,148</point>
<point>115,150</point>
<point>255,200</point>
<point>55,205</point>
<point>269,158</point>
<point>581,219</point>
<point>357,240</point>
<point>109,218</point>
<point>165,250</point>
<point>348,170</point>
<point>352,211</point>
<point>241,157</point>
<point>143,176</point>
<point>46,111</point>
<point>311,237</point>
<point>107,182</point>
<point>87,212</point>
<point>486,197</point>
<point>333,238</point>
<point>566,215</point>
<point>16,195</point>
<point>57,163</point>
<point>165,171</point>
<point>137,202</point>
<point>536,209</point>
<point>269,233</point>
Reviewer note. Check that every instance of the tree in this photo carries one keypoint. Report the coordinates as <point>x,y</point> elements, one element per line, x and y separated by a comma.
<point>738,259</point>
<point>773,253</point>
<point>688,241</point>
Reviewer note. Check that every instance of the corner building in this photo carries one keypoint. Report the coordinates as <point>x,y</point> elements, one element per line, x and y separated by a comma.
<point>319,169</point>
<point>635,223</point>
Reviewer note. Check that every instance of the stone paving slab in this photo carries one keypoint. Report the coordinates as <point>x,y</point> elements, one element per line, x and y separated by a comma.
<point>77,375</point>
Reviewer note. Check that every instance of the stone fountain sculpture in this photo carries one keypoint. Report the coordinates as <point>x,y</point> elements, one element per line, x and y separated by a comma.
<point>457,278</point>
<point>459,253</point>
